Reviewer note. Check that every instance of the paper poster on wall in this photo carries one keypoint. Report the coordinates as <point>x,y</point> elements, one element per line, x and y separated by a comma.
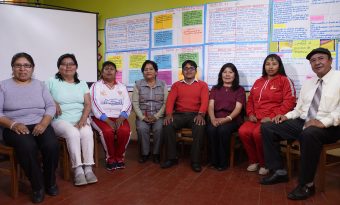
<point>170,62</point>
<point>237,21</point>
<point>337,65</point>
<point>130,63</point>
<point>127,33</point>
<point>178,27</point>
<point>248,59</point>
<point>301,20</point>
<point>242,32</point>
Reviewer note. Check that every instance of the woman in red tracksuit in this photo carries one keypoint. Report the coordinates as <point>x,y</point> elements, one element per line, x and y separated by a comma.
<point>272,94</point>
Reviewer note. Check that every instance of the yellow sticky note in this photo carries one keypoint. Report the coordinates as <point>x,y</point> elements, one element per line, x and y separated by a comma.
<point>285,46</point>
<point>277,26</point>
<point>274,47</point>
<point>137,60</point>
<point>329,44</point>
<point>118,60</point>
<point>302,47</point>
<point>163,21</point>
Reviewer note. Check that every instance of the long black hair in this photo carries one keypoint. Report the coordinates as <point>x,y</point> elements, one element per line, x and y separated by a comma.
<point>278,59</point>
<point>236,82</point>
<point>60,59</point>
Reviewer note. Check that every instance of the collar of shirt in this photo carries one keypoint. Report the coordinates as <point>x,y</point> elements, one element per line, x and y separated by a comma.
<point>326,78</point>
<point>183,81</point>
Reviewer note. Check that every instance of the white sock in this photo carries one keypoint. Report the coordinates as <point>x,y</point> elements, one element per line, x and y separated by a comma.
<point>88,168</point>
<point>78,170</point>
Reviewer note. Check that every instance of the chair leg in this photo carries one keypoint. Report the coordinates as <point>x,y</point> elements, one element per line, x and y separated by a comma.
<point>14,177</point>
<point>321,171</point>
<point>95,150</point>
<point>289,160</point>
<point>232,150</point>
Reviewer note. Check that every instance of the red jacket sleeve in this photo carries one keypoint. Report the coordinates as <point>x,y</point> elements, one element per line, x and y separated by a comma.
<point>204,98</point>
<point>289,98</point>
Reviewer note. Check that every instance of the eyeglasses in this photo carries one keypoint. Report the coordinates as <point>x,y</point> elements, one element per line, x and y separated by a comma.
<point>191,68</point>
<point>68,64</point>
<point>22,66</point>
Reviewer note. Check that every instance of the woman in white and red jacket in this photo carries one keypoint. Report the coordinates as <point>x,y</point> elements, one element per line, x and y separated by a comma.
<point>272,94</point>
<point>111,107</point>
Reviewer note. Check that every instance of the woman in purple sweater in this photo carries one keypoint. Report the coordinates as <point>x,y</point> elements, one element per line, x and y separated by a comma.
<point>26,110</point>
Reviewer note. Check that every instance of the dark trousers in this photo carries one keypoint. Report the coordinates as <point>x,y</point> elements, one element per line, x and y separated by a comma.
<point>311,140</point>
<point>184,120</point>
<point>219,138</point>
<point>26,149</point>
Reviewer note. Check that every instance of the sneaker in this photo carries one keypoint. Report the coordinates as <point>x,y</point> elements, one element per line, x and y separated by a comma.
<point>91,178</point>
<point>80,180</point>
<point>110,166</point>
<point>253,167</point>
<point>120,165</point>
<point>263,171</point>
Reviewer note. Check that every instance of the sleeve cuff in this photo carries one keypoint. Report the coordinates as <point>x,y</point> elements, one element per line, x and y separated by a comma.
<point>124,115</point>
<point>103,117</point>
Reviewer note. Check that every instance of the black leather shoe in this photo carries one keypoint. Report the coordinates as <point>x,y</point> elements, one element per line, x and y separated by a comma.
<point>156,158</point>
<point>196,167</point>
<point>169,163</point>
<point>143,159</point>
<point>52,190</point>
<point>274,179</point>
<point>38,196</point>
<point>301,192</point>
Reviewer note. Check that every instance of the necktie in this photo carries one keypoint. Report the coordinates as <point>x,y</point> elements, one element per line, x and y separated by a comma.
<point>314,106</point>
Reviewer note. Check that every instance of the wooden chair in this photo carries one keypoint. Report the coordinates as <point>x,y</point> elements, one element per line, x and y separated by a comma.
<point>65,162</point>
<point>234,145</point>
<point>324,165</point>
<point>293,151</point>
<point>12,170</point>
<point>184,136</point>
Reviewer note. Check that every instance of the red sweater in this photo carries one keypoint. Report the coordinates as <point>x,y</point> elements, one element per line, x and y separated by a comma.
<point>188,98</point>
<point>269,98</point>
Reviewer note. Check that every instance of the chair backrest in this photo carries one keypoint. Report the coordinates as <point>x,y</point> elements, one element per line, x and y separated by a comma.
<point>1,138</point>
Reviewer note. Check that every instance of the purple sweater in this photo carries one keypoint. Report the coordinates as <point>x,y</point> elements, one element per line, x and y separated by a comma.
<point>25,104</point>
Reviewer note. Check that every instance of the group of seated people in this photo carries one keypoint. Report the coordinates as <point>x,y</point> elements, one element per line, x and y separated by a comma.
<point>33,113</point>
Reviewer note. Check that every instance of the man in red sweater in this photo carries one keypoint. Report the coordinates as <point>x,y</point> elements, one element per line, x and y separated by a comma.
<point>186,106</point>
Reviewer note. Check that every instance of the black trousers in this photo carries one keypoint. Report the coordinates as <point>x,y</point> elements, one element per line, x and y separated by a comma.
<point>27,148</point>
<point>219,140</point>
<point>184,120</point>
<point>311,140</point>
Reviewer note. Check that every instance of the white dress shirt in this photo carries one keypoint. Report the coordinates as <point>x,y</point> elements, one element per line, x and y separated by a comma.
<point>329,108</point>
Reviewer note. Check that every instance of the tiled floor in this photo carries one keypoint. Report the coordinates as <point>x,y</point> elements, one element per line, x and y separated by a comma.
<point>148,184</point>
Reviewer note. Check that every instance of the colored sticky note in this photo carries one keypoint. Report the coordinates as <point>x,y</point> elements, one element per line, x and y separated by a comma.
<point>329,44</point>
<point>192,35</point>
<point>285,46</point>
<point>163,21</point>
<point>118,60</point>
<point>302,47</point>
<point>276,26</point>
<point>134,75</point>
<point>163,38</point>
<point>163,61</point>
<point>137,60</point>
<point>187,56</point>
<point>190,18</point>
